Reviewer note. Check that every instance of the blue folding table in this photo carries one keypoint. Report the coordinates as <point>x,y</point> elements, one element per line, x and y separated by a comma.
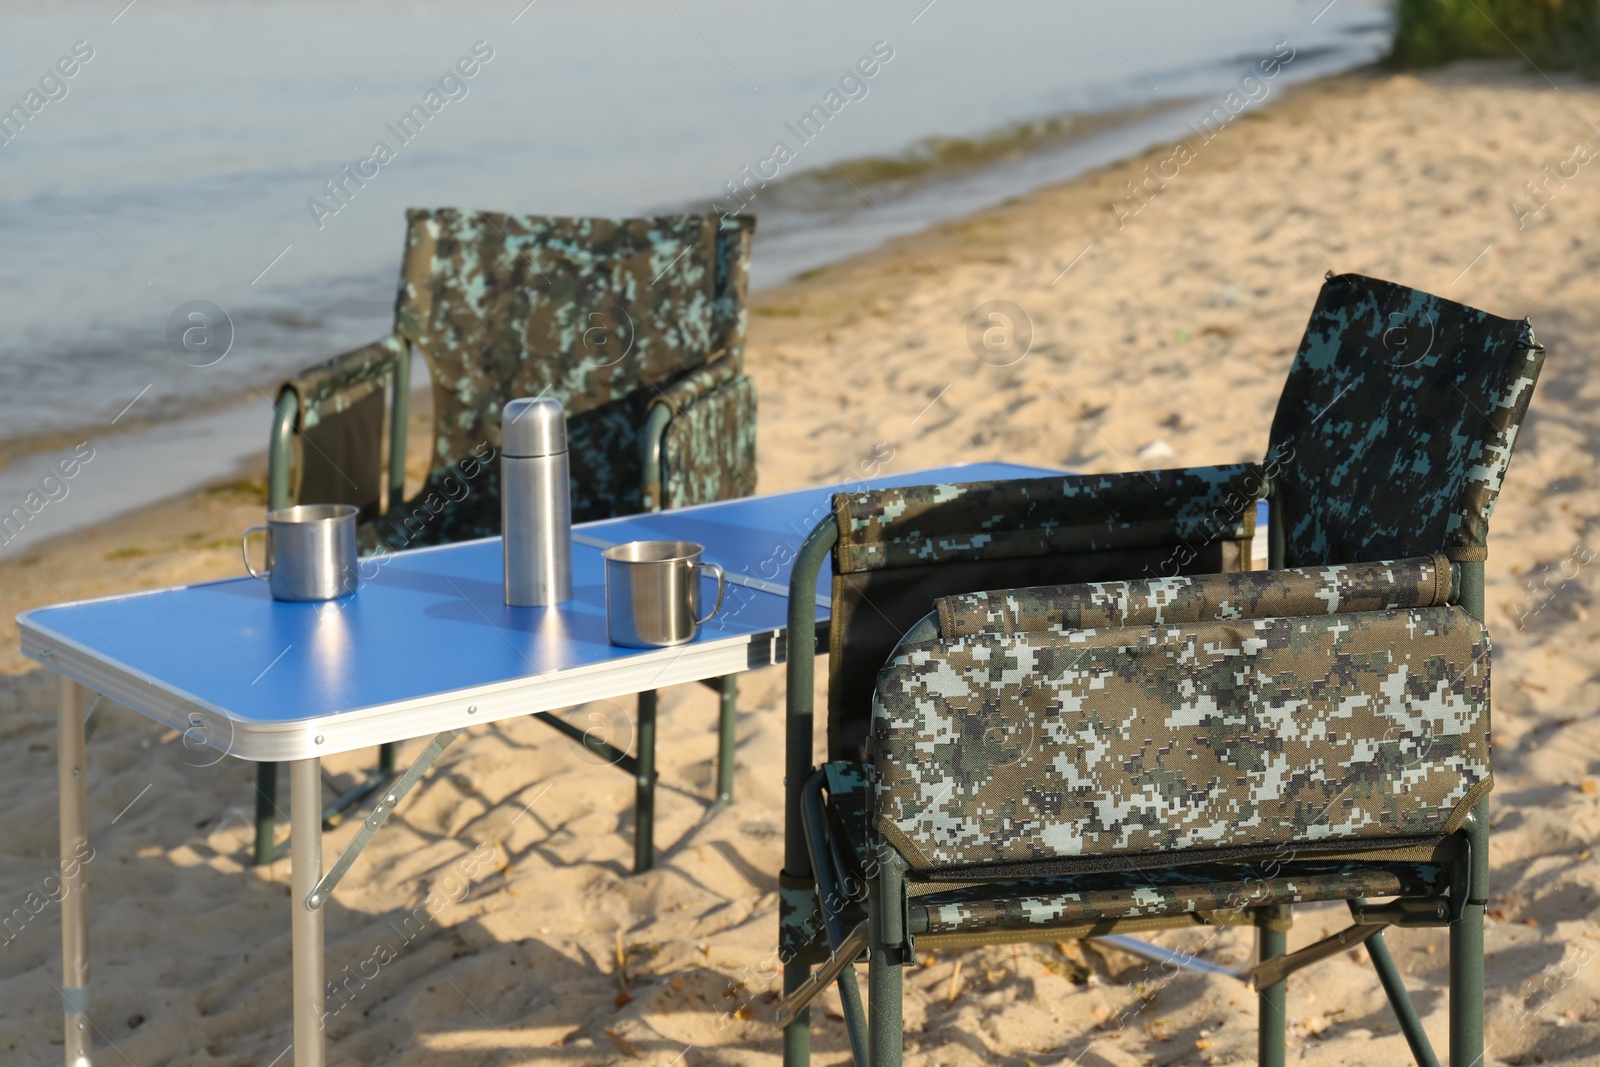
<point>426,646</point>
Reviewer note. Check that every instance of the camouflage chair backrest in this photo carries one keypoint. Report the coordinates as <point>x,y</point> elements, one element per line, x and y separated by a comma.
<point>1394,429</point>
<point>600,313</point>
<point>900,549</point>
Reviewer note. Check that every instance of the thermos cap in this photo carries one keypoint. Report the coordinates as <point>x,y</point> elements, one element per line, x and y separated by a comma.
<point>533,427</point>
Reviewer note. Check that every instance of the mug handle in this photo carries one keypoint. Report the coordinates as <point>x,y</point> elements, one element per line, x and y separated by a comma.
<point>244,549</point>
<point>721,586</point>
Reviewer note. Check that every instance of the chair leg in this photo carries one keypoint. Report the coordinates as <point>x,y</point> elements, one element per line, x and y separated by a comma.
<point>728,685</point>
<point>800,919</point>
<point>1400,1001</point>
<point>797,1035</point>
<point>1466,988</point>
<point>886,967</point>
<point>1272,1002</point>
<point>644,787</point>
<point>266,813</point>
<point>1466,943</point>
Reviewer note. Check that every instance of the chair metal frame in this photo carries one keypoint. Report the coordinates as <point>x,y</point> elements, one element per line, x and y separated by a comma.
<point>815,879</point>
<point>641,765</point>
<point>845,890</point>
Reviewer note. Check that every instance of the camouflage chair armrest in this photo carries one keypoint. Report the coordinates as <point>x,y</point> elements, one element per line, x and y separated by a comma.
<point>709,413</point>
<point>330,388</point>
<point>333,385</point>
<point>1039,516</point>
<point>1291,593</point>
<point>710,376</point>
<point>1121,747</point>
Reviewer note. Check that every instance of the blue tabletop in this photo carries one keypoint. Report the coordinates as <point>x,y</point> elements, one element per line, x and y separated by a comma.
<point>756,537</point>
<point>427,642</point>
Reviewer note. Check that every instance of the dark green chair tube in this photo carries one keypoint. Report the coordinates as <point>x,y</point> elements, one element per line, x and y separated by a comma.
<point>1400,1000</point>
<point>800,671</point>
<point>1273,1001</point>
<point>886,965</point>
<point>727,720</point>
<point>644,787</point>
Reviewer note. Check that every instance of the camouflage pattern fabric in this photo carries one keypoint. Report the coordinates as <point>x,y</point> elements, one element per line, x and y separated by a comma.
<point>683,393</point>
<point>730,318</point>
<point>1086,899</point>
<point>605,315</point>
<point>336,385</point>
<point>603,457</point>
<point>850,813</point>
<point>1349,729</point>
<point>802,931</point>
<point>599,313</point>
<point>1331,590</point>
<point>709,452</point>
<point>801,926</point>
<point>1396,425</point>
<point>1039,516</point>
<point>582,309</point>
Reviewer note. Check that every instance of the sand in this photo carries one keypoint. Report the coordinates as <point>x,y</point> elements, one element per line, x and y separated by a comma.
<point>494,921</point>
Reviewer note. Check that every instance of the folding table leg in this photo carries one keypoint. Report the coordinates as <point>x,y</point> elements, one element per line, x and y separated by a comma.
<point>305,858</point>
<point>266,814</point>
<point>644,788</point>
<point>728,686</point>
<point>73,778</point>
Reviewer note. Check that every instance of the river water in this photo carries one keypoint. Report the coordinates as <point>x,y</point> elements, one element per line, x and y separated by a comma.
<point>188,156</point>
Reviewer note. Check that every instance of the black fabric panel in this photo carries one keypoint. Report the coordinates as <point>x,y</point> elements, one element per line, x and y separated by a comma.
<point>462,502</point>
<point>1144,861</point>
<point>341,457</point>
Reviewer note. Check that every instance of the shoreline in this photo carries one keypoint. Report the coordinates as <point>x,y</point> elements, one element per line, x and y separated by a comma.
<point>928,176</point>
<point>937,181</point>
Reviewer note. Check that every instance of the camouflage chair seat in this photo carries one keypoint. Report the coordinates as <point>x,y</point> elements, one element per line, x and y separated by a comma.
<point>1091,720</point>
<point>1095,903</point>
<point>636,325</point>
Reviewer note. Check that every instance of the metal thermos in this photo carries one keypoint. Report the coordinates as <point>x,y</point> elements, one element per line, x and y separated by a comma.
<point>535,503</point>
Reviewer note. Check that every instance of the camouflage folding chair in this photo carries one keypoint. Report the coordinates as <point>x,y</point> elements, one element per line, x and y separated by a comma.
<point>636,325</point>
<point>1163,738</point>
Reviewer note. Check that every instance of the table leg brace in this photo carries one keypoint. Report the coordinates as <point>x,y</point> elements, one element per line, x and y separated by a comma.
<point>72,773</point>
<point>305,856</point>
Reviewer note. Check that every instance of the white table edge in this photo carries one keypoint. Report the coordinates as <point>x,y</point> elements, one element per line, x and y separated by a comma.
<point>280,742</point>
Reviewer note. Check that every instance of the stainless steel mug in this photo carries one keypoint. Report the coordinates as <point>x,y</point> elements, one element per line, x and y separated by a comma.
<point>311,552</point>
<point>653,593</point>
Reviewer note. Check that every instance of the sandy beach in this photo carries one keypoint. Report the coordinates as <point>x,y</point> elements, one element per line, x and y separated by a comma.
<point>494,921</point>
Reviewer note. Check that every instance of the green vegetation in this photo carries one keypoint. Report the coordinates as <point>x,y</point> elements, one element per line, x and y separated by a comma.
<point>1549,34</point>
<point>246,491</point>
<point>938,155</point>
